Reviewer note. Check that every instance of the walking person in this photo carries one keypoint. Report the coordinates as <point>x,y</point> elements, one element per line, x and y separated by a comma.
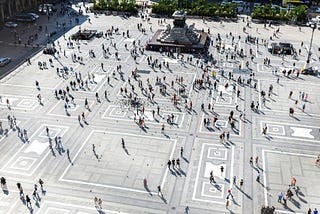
<point>234,180</point>
<point>251,161</point>
<point>227,204</point>
<point>20,191</point>
<point>290,94</point>
<point>35,194</point>
<point>258,177</point>
<point>28,200</point>
<point>160,192</point>
<point>285,198</point>
<point>100,203</point>
<point>169,164</point>
<point>221,169</point>
<point>241,183</point>
<point>41,184</point>
<point>280,196</point>
<point>95,201</point>
<point>230,194</point>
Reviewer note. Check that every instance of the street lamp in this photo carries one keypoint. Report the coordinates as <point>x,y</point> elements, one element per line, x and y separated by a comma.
<point>307,65</point>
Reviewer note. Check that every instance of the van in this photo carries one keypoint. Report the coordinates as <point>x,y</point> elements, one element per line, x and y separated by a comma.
<point>239,3</point>
<point>25,17</point>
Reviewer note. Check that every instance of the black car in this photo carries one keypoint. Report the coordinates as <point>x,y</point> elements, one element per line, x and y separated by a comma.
<point>310,71</point>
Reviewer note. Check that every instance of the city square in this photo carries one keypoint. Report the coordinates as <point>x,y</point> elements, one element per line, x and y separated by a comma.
<point>139,130</point>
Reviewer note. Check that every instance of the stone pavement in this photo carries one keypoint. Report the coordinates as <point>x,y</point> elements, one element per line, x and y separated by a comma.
<point>108,155</point>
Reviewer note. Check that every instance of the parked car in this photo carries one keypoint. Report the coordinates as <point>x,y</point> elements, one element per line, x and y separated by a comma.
<point>36,16</point>
<point>311,71</point>
<point>311,23</point>
<point>256,5</point>
<point>11,24</point>
<point>25,17</point>
<point>4,61</point>
<point>47,8</point>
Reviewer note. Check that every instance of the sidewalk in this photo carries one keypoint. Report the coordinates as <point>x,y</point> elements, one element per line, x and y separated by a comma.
<point>18,52</point>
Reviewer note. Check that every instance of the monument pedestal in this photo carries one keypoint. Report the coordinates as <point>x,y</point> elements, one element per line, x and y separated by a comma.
<point>180,36</point>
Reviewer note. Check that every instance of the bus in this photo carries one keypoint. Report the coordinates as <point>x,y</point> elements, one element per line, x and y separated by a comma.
<point>25,17</point>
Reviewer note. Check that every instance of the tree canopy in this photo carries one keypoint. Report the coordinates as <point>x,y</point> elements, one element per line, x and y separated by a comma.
<point>116,5</point>
<point>198,8</point>
<point>299,13</point>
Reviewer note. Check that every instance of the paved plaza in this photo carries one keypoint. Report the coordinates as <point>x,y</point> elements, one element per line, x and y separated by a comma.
<point>85,138</point>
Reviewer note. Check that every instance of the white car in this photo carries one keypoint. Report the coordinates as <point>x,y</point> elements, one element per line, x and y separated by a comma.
<point>256,5</point>
<point>4,61</point>
<point>36,16</point>
<point>11,24</point>
<point>311,23</point>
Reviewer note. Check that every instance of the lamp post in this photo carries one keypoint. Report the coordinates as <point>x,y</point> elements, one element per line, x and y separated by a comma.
<point>307,65</point>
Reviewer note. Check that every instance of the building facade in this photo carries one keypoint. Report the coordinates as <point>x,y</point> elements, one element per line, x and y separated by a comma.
<point>8,8</point>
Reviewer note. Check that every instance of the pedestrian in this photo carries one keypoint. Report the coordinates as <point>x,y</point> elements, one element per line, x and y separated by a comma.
<point>28,200</point>
<point>221,169</point>
<point>280,196</point>
<point>211,179</point>
<point>186,210</point>
<point>234,180</point>
<point>95,201</point>
<point>241,183</point>
<point>122,143</point>
<point>309,211</point>
<point>257,161</point>
<point>20,191</point>
<point>285,198</point>
<point>230,193</point>
<point>290,94</point>
<point>264,129</point>
<point>169,164</point>
<point>3,181</point>
<point>37,85</point>
<point>159,191</point>
<point>291,111</point>
<point>181,151</point>
<point>47,130</point>
<point>173,162</point>
<point>258,177</point>
<point>251,161</point>
<point>35,195</point>
<point>178,163</point>
<point>100,203</point>
<point>315,211</point>
<point>227,204</point>
<point>106,94</point>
